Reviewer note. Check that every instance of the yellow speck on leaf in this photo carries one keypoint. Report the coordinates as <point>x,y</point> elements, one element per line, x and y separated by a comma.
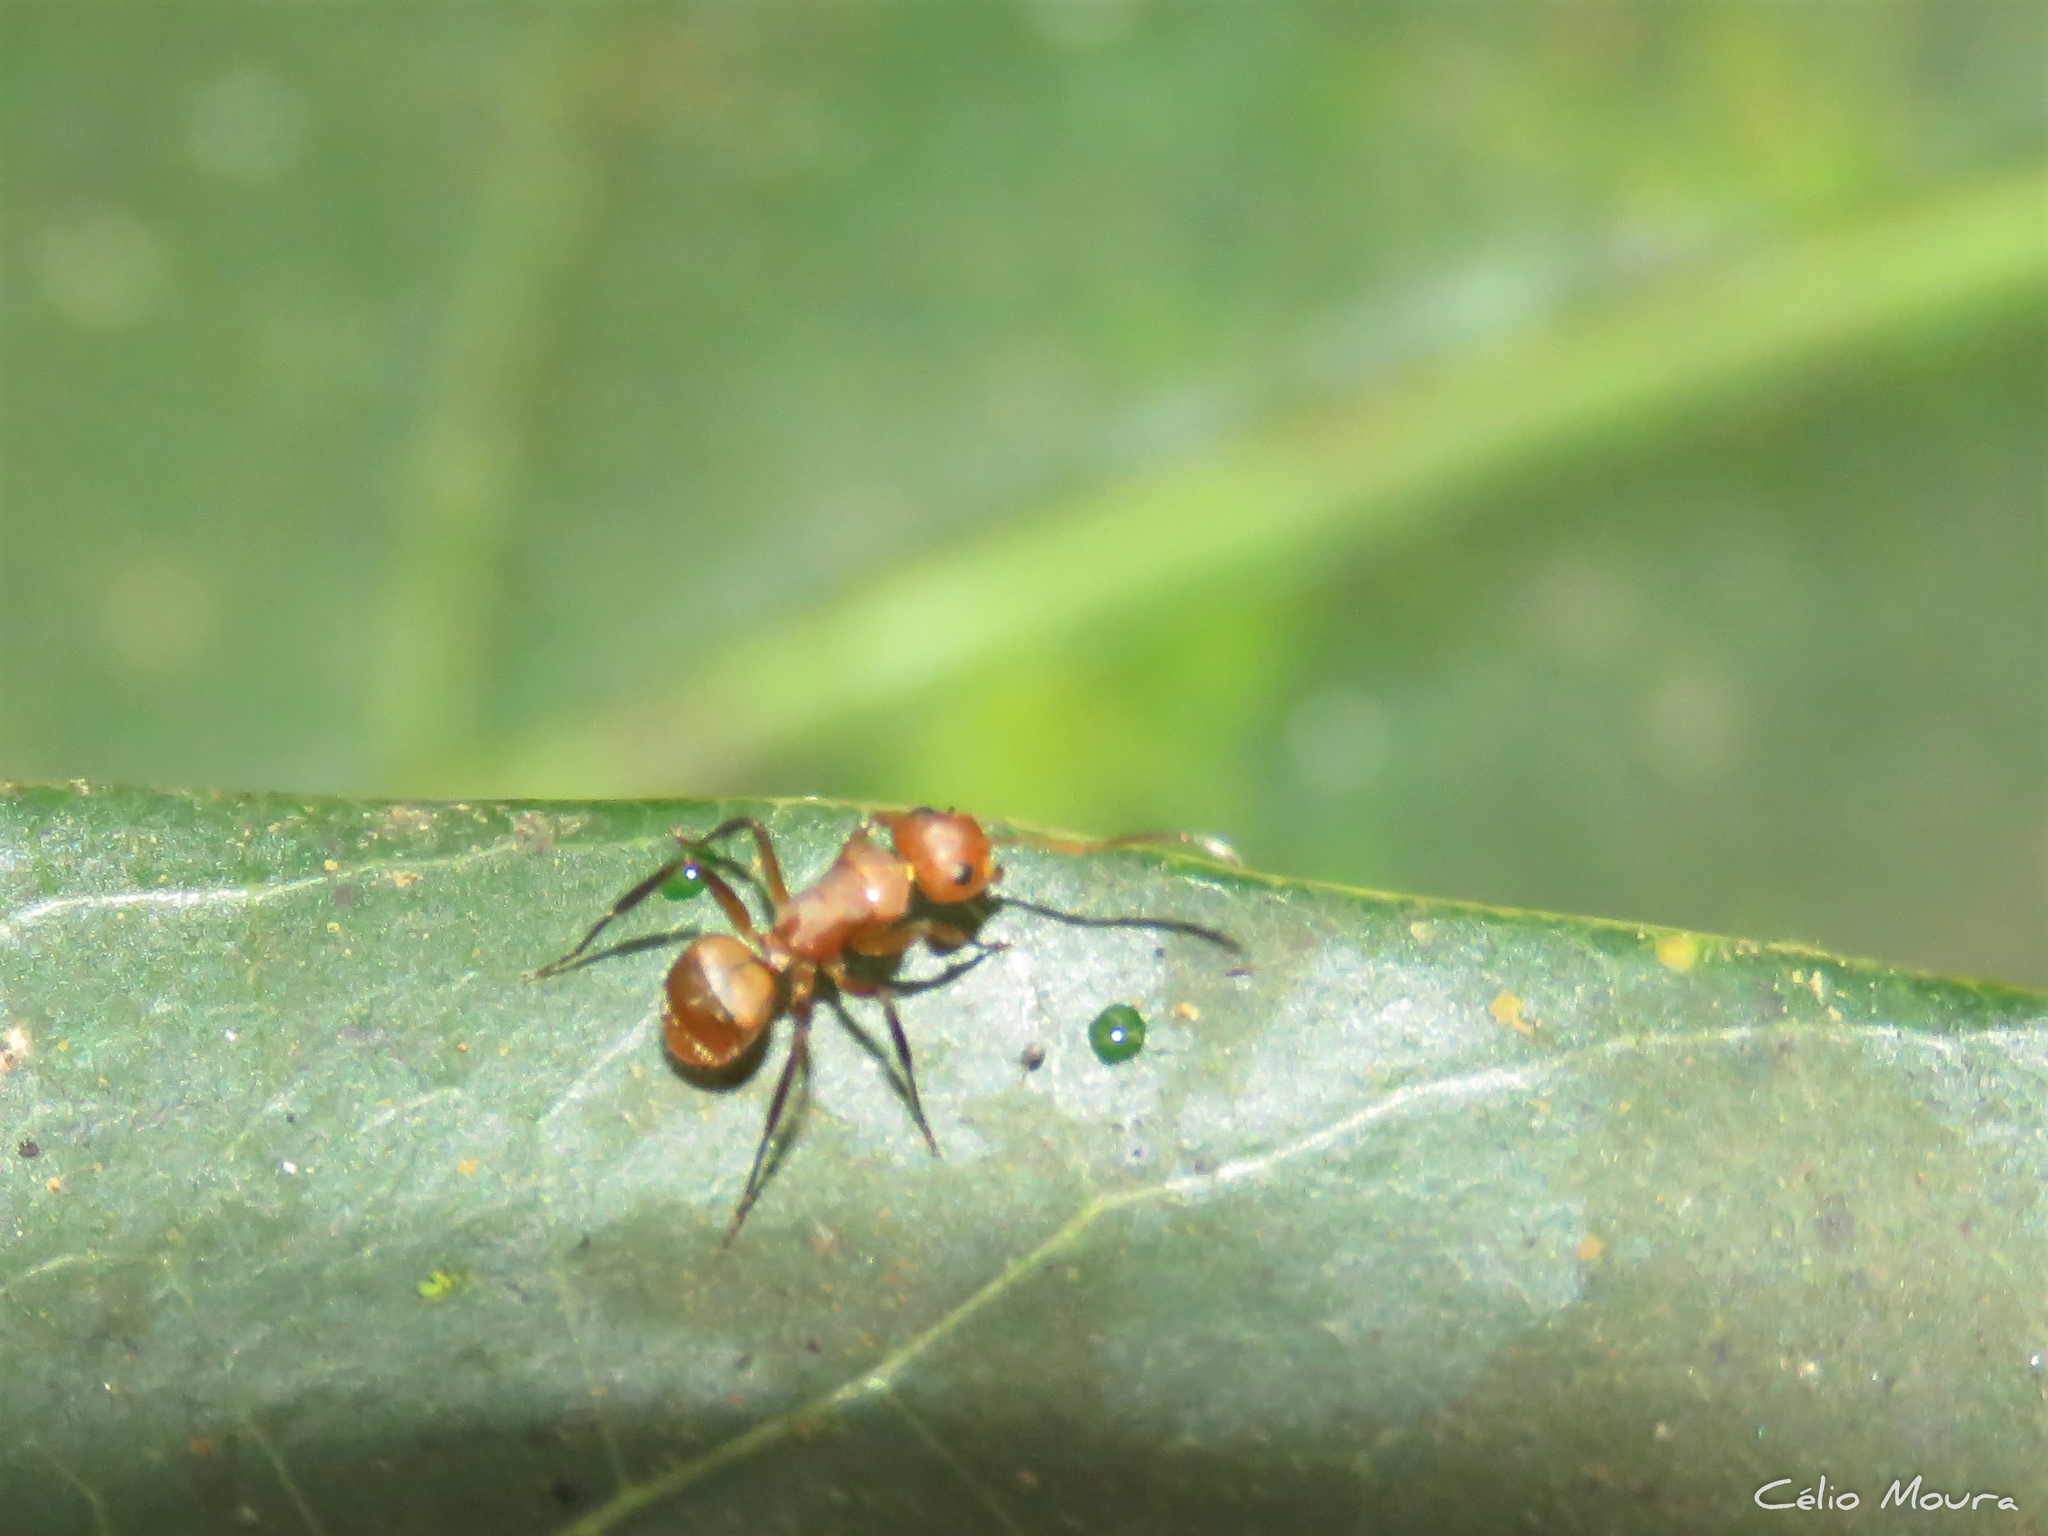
<point>330,865</point>
<point>442,1284</point>
<point>1678,951</point>
<point>1507,1009</point>
<point>334,927</point>
<point>467,1166</point>
<point>1186,1011</point>
<point>405,879</point>
<point>1590,1248</point>
<point>410,818</point>
<point>54,1185</point>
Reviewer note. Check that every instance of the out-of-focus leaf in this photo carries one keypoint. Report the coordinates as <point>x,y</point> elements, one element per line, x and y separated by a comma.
<point>533,358</point>
<point>686,398</point>
<point>1317,484</point>
<point>319,1217</point>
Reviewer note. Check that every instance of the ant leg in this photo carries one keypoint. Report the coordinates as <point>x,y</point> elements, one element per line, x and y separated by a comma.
<point>729,902</point>
<point>667,938</point>
<point>902,1045</point>
<point>799,1062</point>
<point>1202,842</point>
<point>771,867</point>
<point>941,934</point>
<point>946,977</point>
<point>855,986</point>
<point>945,937</point>
<point>626,903</point>
<point>1200,931</point>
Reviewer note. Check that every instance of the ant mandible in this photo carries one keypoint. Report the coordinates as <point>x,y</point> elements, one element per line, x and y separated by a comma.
<point>870,905</point>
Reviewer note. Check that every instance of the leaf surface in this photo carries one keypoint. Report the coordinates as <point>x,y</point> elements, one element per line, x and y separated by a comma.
<point>320,1217</point>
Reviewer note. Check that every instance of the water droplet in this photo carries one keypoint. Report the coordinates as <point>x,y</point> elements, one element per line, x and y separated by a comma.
<point>687,882</point>
<point>1117,1034</point>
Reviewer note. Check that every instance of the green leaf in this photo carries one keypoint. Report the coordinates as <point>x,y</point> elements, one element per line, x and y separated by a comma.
<point>321,1217</point>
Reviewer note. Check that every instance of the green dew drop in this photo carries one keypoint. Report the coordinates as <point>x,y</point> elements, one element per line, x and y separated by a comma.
<point>688,882</point>
<point>1117,1034</point>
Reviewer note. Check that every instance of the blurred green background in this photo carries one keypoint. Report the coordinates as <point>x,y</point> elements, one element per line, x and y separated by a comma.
<point>1586,455</point>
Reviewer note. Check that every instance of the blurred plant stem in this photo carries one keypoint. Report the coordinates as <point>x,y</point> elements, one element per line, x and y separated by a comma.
<point>537,207</point>
<point>1326,479</point>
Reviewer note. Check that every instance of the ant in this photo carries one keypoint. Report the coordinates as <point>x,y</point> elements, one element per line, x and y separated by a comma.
<point>842,936</point>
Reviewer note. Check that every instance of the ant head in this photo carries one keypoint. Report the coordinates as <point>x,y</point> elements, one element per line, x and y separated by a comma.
<point>949,855</point>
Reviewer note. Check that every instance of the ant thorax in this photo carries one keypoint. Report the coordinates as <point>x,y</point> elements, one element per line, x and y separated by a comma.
<point>866,887</point>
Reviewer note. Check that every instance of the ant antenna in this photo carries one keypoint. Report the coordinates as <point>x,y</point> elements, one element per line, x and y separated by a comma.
<point>1157,924</point>
<point>1209,846</point>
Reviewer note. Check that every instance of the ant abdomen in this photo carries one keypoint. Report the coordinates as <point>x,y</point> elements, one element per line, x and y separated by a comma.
<point>719,999</point>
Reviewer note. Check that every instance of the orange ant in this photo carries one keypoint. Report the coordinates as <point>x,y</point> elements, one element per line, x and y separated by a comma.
<point>864,912</point>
